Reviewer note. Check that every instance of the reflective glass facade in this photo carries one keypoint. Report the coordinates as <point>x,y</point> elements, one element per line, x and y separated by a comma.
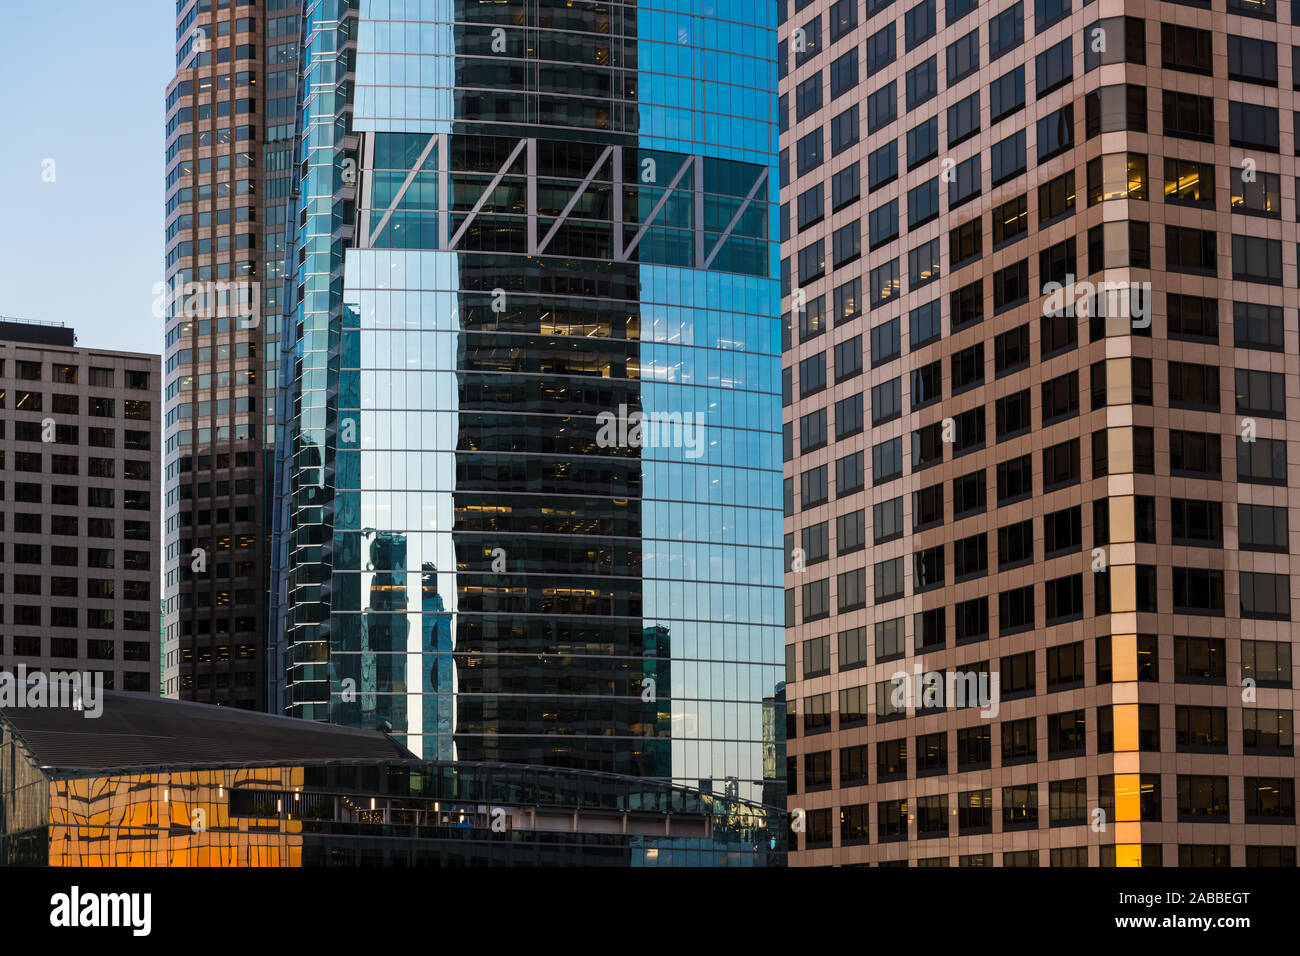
<point>528,470</point>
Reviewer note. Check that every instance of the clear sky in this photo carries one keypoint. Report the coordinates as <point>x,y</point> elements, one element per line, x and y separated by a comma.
<point>82,84</point>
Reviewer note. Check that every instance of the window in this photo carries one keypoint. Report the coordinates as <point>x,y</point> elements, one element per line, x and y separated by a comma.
<point>813,488</point>
<point>882,107</point>
<point>1192,317</point>
<point>846,186</point>
<point>809,152</point>
<point>965,244</point>
<point>886,401</point>
<point>1110,109</point>
<point>1061,464</point>
<point>812,430</point>
<point>927,385</point>
<point>888,580</point>
<point>848,359</point>
<point>1194,453</point>
<point>1114,245</point>
<point>843,17</point>
<point>812,375</point>
<point>844,130</point>
<point>919,23</point>
<point>884,284</point>
<point>1257,326</point>
<point>1056,198</point>
<point>1261,196</point>
<point>846,243</point>
<point>1265,596</point>
<point>965,183</point>
<point>808,97</point>
<point>963,57</point>
<point>964,119</point>
<point>1257,259</point>
<point>1011,286</point>
<point>1006,31</point>
<point>811,206</point>
<point>1198,591</point>
<point>884,343</point>
<point>844,73</point>
<point>1186,48</point>
<point>887,520</point>
<point>1056,132</point>
<point>927,446</point>
<point>1117,176</point>
<point>1189,183</point>
<point>1016,610</point>
<point>969,494</point>
<point>1252,125</point>
<point>1261,393</point>
<point>1012,415</point>
<point>967,368</point>
<point>1008,158</point>
<point>1054,67</point>
<point>1196,523</point>
<point>812,262</point>
<point>816,605</point>
<point>923,263</point>
<point>1202,799</point>
<point>1262,461</point>
<point>922,82</point>
<point>1011,351</point>
<point>1007,94</point>
<point>1268,663</point>
<point>970,559</point>
<point>880,49</point>
<point>887,461</point>
<point>848,300</point>
<point>1252,61</point>
<point>1191,250</point>
<point>1019,804</point>
<point>923,206</point>
<point>812,31</point>
<point>1114,40</point>
<point>882,224</point>
<point>1010,221</point>
<point>1188,116</point>
<point>850,474</point>
<point>1015,544</point>
<point>882,165</point>
<point>1047,12</point>
<point>922,142</point>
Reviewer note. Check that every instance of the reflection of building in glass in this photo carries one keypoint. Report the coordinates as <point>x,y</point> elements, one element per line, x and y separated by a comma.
<point>486,265</point>
<point>194,785</point>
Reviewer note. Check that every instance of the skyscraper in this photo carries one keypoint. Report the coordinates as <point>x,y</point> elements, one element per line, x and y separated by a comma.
<point>78,510</point>
<point>529,373</point>
<point>229,129</point>
<point>1038,402</point>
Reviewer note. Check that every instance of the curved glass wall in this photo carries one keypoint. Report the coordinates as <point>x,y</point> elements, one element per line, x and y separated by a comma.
<point>528,480</point>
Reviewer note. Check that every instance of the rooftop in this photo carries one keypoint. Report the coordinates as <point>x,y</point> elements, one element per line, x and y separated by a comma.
<point>39,333</point>
<point>139,731</point>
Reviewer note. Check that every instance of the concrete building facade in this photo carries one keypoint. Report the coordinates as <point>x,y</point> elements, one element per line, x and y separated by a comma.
<point>1039,263</point>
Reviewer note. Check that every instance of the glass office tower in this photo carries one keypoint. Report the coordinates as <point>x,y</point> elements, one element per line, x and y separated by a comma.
<point>528,470</point>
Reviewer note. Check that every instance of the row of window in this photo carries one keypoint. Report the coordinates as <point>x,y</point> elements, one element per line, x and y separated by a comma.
<point>1199,799</point>
<point>1192,523</point>
<point>25,371</point>
<point>1109,40</point>
<point>1265,732</point>
<point>96,619</point>
<point>1152,854</point>
<point>140,682</point>
<point>1110,245</point>
<point>1198,591</point>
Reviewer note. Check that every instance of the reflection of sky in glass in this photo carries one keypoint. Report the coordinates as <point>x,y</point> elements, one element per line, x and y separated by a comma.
<point>710,574</point>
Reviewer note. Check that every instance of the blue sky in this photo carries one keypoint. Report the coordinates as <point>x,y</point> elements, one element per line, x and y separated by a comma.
<point>83,85</point>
